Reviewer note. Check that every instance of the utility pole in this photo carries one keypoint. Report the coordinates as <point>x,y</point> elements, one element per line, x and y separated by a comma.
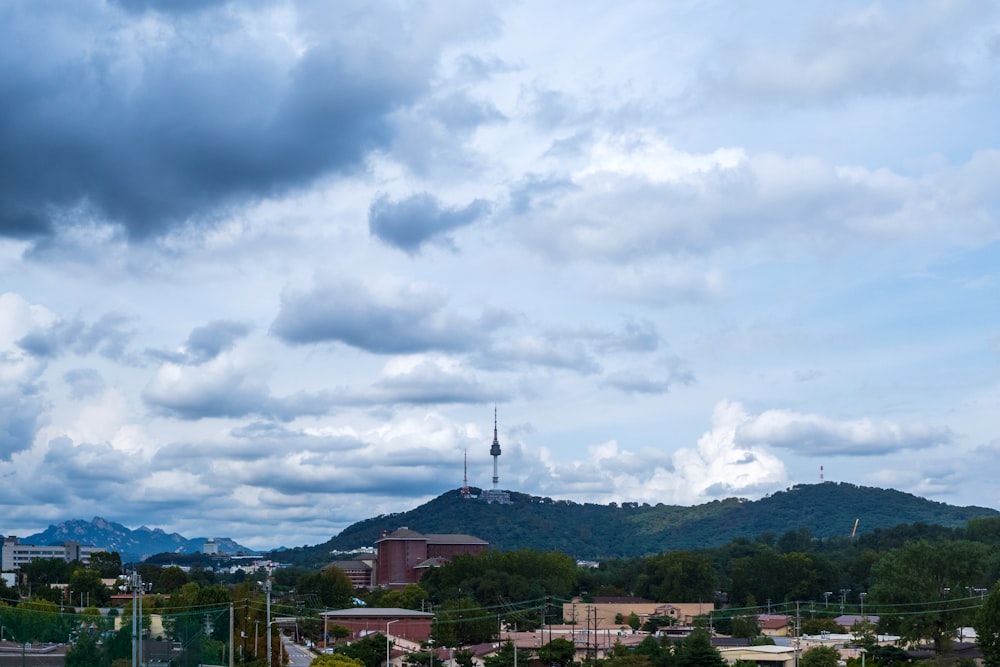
<point>796,633</point>
<point>232,631</point>
<point>267,629</point>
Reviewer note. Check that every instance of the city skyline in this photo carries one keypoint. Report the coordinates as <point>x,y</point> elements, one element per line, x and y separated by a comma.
<point>266,268</point>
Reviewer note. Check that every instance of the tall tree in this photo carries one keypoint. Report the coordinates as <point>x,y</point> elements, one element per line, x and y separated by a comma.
<point>369,650</point>
<point>936,576</point>
<point>696,650</point>
<point>678,576</point>
<point>987,625</point>
<point>820,656</point>
<point>107,563</point>
<point>462,622</point>
<point>559,652</point>
<point>86,588</point>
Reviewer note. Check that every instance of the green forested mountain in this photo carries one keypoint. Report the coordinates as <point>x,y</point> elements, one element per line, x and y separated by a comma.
<point>590,531</point>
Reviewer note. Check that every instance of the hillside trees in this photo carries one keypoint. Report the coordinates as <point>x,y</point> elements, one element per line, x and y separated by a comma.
<point>780,577</point>
<point>500,576</point>
<point>676,576</point>
<point>462,622</point>
<point>331,587</point>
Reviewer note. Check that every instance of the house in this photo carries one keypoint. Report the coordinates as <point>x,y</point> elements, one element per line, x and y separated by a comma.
<point>775,625</point>
<point>404,555</point>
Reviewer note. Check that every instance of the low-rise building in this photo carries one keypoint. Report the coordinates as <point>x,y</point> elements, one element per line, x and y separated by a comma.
<point>15,554</point>
<point>363,621</point>
<point>604,611</point>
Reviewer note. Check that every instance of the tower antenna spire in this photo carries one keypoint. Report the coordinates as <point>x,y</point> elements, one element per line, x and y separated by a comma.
<point>465,475</point>
<point>495,450</point>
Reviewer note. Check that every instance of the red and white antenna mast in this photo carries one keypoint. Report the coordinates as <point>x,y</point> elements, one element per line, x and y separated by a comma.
<point>465,477</point>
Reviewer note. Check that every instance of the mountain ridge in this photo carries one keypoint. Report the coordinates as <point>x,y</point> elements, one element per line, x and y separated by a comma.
<point>132,544</point>
<point>589,531</point>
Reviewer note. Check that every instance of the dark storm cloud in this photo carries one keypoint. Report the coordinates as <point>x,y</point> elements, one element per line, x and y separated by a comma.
<point>420,219</point>
<point>148,124</point>
<point>409,319</point>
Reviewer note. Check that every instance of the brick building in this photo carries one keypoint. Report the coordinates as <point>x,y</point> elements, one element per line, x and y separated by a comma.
<point>362,621</point>
<point>404,555</point>
<point>359,571</point>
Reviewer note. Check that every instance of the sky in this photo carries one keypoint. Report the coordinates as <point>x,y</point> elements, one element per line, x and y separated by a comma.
<point>268,267</point>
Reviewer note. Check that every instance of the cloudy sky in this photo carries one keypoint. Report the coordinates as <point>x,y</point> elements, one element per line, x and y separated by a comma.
<point>266,267</point>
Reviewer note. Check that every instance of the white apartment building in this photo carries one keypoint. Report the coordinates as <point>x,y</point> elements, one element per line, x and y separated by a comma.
<point>15,554</point>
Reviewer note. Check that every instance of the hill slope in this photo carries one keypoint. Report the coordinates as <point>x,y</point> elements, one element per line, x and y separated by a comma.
<point>589,531</point>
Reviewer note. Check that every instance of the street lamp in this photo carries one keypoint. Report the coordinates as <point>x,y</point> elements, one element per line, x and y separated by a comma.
<point>387,645</point>
<point>862,596</point>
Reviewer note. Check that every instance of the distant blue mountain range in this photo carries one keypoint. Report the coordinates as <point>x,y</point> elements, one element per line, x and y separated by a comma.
<point>132,545</point>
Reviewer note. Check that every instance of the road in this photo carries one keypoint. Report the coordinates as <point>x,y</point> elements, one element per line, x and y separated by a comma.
<point>298,656</point>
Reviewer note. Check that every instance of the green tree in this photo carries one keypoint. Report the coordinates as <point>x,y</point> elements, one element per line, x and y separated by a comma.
<point>987,625</point>
<point>746,626</point>
<point>462,622</point>
<point>464,657</point>
<point>85,653</point>
<point>696,650</point>
<point>678,576</point>
<point>335,660</point>
<point>370,650</point>
<point>935,575</point>
<point>660,652</point>
<point>85,584</point>
<point>558,652</point>
<point>171,579</point>
<point>820,656</point>
<point>504,657</point>
<point>331,586</point>
<point>107,563</point>
<point>817,626</point>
